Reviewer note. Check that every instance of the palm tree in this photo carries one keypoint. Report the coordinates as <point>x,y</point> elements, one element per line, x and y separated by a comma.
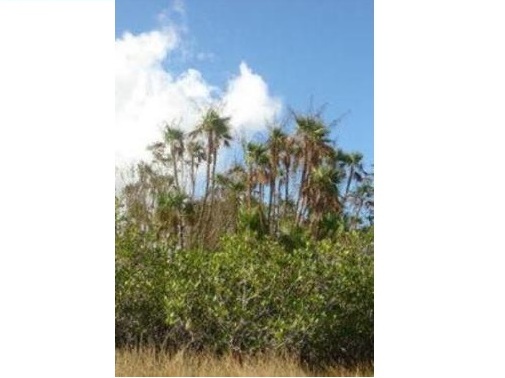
<point>257,162</point>
<point>353,162</point>
<point>363,197</point>
<point>174,139</point>
<point>230,187</point>
<point>313,138</point>
<point>275,143</point>
<point>288,155</point>
<point>216,131</point>
<point>323,196</point>
<point>196,154</point>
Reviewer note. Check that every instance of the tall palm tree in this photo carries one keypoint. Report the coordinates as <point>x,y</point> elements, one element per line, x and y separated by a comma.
<point>323,196</point>
<point>288,155</point>
<point>215,129</point>
<point>354,164</point>
<point>362,197</point>
<point>313,137</point>
<point>174,139</point>
<point>275,143</point>
<point>230,187</point>
<point>196,154</point>
<point>257,162</point>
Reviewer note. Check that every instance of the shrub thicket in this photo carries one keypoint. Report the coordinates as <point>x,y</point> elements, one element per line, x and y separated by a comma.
<point>251,296</point>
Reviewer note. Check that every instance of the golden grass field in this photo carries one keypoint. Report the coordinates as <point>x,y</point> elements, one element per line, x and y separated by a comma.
<point>133,363</point>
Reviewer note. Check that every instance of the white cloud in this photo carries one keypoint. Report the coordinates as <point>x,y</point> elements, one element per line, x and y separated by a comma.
<point>148,94</point>
<point>248,101</point>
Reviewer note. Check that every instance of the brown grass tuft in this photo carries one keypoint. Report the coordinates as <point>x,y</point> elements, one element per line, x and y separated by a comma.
<point>145,362</point>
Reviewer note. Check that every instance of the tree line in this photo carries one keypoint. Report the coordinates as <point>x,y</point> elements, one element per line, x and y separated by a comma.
<point>297,181</point>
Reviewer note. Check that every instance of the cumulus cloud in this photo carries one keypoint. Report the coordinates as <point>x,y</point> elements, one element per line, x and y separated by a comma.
<point>248,102</point>
<point>149,94</point>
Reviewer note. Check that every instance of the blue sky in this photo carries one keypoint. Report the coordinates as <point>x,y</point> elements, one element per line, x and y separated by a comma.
<point>284,52</point>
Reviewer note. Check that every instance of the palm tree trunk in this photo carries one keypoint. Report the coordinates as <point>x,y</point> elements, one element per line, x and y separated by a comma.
<point>349,180</point>
<point>277,210</point>
<point>303,184</point>
<point>286,189</point>
<point>208,170</point>
<point>262,192</point>
<point>249,188</point>
<point>300,191</point>
<point>356,214</point>
<point>201,226</point>
<point>193,179</point>
<point>213,185</point>
<point>270,201</point>
<point>174,166</point>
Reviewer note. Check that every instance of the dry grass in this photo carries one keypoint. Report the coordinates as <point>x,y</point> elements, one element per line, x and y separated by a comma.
<point>147,363</point>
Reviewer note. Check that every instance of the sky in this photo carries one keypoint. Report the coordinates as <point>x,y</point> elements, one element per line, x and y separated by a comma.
<point>257,59</point>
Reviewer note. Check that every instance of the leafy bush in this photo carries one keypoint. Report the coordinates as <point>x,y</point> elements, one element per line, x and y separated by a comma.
<point>141,268</point>
<point>253,296</point>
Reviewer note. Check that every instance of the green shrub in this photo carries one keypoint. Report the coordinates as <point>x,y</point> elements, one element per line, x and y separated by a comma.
<point>141,267</point>
<point>252,296</point>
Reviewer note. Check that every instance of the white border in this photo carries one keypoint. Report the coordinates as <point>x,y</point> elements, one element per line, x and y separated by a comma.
<point>439,117</point>
<point>57,182</point>
<point>439,100</point>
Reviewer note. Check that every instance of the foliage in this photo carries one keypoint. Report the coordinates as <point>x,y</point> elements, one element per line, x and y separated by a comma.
<point>254,296</point>
<point>273,255</point>
<point>297,177</point>
<point>141,266</point>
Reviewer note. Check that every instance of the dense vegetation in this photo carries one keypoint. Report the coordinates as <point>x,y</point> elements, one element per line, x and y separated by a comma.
<point>273,254</point>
